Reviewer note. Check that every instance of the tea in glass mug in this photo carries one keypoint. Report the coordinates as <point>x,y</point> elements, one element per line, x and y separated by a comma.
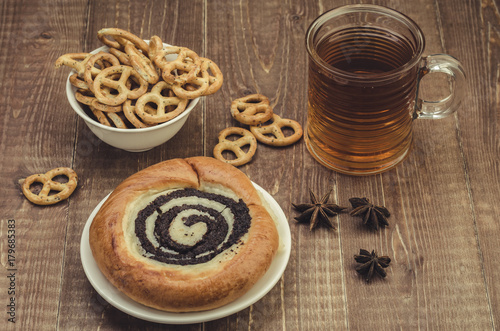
<point>365,66</point>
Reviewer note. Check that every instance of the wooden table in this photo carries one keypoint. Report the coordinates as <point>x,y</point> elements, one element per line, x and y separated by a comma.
<point>444,230</point>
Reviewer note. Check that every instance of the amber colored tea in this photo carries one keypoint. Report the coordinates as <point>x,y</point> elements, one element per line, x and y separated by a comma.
<point>359,121</point>
<point>365,64</point>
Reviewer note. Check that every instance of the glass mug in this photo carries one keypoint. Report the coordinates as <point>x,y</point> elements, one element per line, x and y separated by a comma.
<point>365,66</point>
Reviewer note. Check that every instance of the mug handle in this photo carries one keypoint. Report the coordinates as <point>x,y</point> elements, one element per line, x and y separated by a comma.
<point>440,109</point>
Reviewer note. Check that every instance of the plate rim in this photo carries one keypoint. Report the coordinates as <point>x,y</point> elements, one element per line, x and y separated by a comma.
<point>279,263</point>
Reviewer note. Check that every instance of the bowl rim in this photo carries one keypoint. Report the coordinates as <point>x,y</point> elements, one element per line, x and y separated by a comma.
<point>70,94</point>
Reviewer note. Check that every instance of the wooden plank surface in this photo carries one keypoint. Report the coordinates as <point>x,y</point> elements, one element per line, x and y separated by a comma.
<point>444,227</point>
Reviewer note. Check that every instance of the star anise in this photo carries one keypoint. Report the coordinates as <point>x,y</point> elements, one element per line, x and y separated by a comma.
<point>371,264</point>
<point>373,216</point>
<point>318,211</point>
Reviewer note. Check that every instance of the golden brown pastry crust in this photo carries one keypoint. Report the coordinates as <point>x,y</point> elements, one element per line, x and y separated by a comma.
<point>170,287</point>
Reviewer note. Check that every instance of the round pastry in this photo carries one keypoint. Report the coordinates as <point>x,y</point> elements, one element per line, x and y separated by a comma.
<point>184,235</point>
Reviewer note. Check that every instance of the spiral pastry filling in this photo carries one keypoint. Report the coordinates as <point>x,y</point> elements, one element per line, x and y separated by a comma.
<point>190,227</point>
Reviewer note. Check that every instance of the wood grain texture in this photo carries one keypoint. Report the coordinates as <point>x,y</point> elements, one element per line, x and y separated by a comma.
<point>34,139</point>
<point>478,125</point>
<point>444,227</point>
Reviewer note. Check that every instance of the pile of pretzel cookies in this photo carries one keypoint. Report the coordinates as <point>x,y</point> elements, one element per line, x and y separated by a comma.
<point>265,126</point>
<point>134,85</point>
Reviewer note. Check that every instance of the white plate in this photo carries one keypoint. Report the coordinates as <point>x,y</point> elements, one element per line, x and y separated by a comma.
<point>122,302</point>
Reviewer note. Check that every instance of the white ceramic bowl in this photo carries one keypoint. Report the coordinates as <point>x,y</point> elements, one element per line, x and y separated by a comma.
<point>132,140</point>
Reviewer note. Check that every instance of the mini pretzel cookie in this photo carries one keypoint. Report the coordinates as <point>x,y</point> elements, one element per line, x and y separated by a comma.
<point>130,114</point>
<point>142,64</point>
<point>253,109</point>
<point>155,46</point>
<point>78,82</point>
<point>104,79</point>
<point>187,61</point>
<point>103,117</point>
<point>121,56</point>
<point>91,71</point>
<point>121,38</point>
<point>128,69</point>
<point>235,146</point>
<point>215,79</point>
<point>195,87</point>
<point>87,98</point>
<point>273,135</point>
<point>163,113</point>
<point>43,197</point>
<point>76,61</point>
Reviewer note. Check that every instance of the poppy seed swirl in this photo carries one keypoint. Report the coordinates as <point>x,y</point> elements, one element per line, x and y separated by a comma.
<point>188,226</point>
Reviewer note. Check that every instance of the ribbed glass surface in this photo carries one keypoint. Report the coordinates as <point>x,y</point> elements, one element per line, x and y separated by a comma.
<point>361,99</point>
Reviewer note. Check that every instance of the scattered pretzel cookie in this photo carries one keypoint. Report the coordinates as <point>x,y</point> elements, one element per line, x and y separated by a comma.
<point>272,134</point>
<point>44,197</point>
<point>242,157</point>
<point>252,109</point>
